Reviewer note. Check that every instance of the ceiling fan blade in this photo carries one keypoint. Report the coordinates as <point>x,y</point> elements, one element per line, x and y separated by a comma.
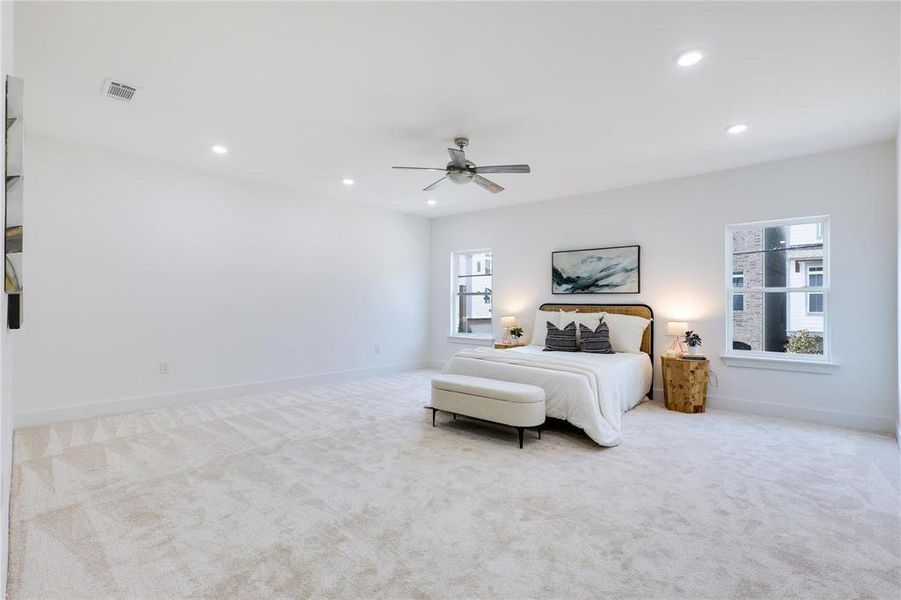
<point>422,168</point>
<point>488,185</point>
<point>434,185</point>
<point>457,157</point>
<point>503,169</point>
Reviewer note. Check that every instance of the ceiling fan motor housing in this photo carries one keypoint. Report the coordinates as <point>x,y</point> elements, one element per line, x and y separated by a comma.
<point>458,175</point>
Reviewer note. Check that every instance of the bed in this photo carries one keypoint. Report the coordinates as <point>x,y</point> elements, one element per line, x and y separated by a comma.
<point>591,391</point>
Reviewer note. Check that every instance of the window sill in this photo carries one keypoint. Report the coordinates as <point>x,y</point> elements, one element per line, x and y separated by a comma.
<point>825,367</point>
<point>476,340</point>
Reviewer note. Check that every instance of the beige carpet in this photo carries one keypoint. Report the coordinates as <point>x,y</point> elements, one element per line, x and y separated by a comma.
<point>347,491</point>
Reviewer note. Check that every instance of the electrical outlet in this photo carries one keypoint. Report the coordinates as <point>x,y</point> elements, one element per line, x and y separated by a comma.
<point>165,367</point>
<point>377,349</point>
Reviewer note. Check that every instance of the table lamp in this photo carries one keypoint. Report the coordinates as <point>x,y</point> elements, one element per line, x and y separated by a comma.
<point>507,323</point>
<point>676,329</point>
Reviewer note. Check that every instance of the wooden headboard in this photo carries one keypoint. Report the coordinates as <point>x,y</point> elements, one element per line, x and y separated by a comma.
<point>638,310</point>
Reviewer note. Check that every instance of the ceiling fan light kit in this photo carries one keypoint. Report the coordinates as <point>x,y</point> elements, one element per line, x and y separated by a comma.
<point>461,171</point>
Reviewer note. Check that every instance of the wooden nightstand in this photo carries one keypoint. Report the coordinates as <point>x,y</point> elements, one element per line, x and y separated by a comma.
<point>502,346</point>
<point>685,384</point>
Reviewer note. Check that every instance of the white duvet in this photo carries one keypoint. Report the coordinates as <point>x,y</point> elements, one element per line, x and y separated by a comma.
<point>591,391</point>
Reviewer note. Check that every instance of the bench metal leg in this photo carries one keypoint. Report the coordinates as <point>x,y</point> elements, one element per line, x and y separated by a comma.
<point>520,431</point>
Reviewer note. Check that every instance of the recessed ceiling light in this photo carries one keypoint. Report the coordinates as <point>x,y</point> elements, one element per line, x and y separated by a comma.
<point>689,58</point>
<point>737,128</point>
<point>347,181</point>
<point>431,202</point>
<point>219,149</point>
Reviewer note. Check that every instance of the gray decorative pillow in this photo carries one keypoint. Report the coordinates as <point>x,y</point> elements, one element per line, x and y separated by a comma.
<point>597,341</point>
<point>561,340</point>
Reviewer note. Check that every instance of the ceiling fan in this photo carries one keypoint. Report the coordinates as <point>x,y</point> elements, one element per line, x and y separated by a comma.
<point>459,170</point>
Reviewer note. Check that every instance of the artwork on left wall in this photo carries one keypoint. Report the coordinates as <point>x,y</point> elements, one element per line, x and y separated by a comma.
<point>596,271</point>
<point>13,199</point>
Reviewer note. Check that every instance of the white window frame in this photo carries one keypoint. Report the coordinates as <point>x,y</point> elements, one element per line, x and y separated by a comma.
<point>454,335</point>
<point>824,363</point>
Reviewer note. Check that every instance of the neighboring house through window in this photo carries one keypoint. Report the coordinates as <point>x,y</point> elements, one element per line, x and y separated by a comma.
<point>779,289</point>
<point>471,294</point>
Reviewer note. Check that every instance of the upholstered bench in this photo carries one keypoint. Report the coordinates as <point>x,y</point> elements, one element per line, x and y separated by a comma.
<point>515,404</point>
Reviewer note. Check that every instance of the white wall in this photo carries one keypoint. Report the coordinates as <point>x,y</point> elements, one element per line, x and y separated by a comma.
<point>680,226</point>
<point>130,262</point>
<point>898,258</point>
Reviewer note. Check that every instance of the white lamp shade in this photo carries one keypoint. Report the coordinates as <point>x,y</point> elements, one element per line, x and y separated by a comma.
<point>508,322</point>
<point>676,328</point>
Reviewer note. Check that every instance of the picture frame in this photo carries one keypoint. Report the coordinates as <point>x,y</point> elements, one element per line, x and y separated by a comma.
<point>593,271</point>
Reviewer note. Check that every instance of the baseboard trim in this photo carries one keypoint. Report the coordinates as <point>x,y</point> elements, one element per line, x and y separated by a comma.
<point>835,418</point>
<point>110,407</point>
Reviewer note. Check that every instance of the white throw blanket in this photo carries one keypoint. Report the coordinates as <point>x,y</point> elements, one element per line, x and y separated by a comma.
<point>590,391</point>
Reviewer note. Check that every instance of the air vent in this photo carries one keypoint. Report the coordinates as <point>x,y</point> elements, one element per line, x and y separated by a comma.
<point>118,90</point>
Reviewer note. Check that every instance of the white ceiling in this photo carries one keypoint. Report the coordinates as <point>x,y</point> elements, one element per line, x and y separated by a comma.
<point>587,93</point>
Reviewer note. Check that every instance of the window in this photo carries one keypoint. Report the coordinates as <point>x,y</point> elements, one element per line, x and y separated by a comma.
<point>471,294</point>
<point>738,281</point>
<point>779,290</point>
<point>815,280</point>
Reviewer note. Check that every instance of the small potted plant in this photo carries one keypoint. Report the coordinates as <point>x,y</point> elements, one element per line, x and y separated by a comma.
<point>516,333</point>
<point>693,341</point>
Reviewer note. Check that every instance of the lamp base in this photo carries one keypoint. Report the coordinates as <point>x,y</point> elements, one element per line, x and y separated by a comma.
<point>675,348</point>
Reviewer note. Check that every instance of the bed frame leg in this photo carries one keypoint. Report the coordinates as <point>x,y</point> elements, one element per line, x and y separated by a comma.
<point>539,432</point>
<point>455,416</point>
<point>434,412</point>
<point>520,430</point>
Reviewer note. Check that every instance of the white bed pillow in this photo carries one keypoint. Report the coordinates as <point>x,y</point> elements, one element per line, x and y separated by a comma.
<point>539,329</point>
<point>626,331</point>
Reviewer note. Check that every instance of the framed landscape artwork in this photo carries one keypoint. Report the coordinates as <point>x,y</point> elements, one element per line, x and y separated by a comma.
<point>596,271</point>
